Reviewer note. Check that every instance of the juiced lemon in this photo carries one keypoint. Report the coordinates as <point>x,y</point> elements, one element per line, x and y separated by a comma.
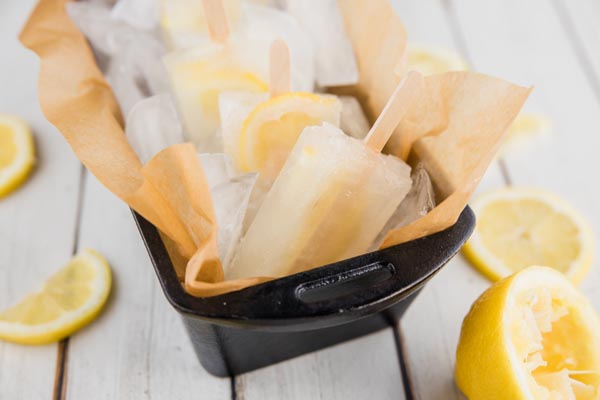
<point>519,227</point>
<point>531,336</point>
<point>433,60</point>
<point>69,300</point>
<point>272,128</point>
<point>17,154</point>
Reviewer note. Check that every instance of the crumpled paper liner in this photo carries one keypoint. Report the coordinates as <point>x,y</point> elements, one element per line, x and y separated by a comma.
<point>455,130</point>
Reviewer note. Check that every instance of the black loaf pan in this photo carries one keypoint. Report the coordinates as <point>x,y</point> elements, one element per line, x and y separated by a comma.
<point>261,325</point>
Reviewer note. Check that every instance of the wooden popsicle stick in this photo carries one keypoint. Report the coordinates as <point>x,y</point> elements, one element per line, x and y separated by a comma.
<point>279,68</point>
<point>216,18</point>
<point>398,104</point>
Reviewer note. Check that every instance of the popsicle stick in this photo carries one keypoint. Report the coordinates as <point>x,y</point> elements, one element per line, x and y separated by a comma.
<point>399,102</point>
<point>279,68</point>
<point>216,18</point>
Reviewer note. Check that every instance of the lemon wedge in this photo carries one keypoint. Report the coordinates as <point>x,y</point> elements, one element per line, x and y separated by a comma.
<point>433,60</point>
<point>68,301</point>
<point>271,129</point>
<point>17,154</point>
<point>198,86</point>
<point>520,227</point>
<point>531,336</point>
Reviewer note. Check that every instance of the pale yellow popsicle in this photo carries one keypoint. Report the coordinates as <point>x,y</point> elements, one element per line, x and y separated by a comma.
<point>330,201</point>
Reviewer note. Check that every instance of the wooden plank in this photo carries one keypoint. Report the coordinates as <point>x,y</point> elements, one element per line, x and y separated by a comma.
<point>430,329</point>
<point>138,347</point>
<point>564,161</point>
<point>37,222</point>
<point>364,368</point>
<point>580,21</point>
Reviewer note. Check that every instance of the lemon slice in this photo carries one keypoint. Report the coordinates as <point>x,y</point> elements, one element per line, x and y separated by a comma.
<point>270,130</point>
<point>433,60</point>
<point>198,86</point>
<point>69,300</point>
<point>531,336</point>
<point>524,128</point>
<point>518,227</point>
<point>17,154</point>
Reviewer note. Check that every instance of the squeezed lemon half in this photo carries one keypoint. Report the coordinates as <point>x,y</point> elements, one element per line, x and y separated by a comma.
<point>68,300</point>
<point>270,130</point>
<point>531,336</point>
<point>520,227</point>
<point>17,153</point>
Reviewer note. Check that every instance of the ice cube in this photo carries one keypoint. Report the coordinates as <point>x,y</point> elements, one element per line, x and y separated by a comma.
<point>322,20</point>
<point>417,203</point>
<point>141,14</point>
<point>230,192</point>
<point>134,69</point>
<point>152,125</point>
<point>353,120</point>
<point>218,168</point>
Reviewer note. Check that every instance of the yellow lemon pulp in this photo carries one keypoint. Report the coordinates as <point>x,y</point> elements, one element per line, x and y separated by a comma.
<point>68,300</point>
<point>433,60</point>
<point>531,336</point>
<point>16,153</point>
<point>270,131</point>
<point>8,148</point>
<point>517,228</point>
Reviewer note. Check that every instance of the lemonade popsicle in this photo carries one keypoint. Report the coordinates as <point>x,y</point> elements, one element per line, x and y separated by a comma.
<point>198,76</point>
<point>259,131</point>
<point>235,60</point>
<point>329,202</point>
<point>332,198</point>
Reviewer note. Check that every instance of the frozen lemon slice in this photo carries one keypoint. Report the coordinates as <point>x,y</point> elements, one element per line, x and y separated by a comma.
<point>17,154</point>
<point>531,336</point>
<point>517,228</point>
<point>433,60</point>
<point>272,128</point>
<point>69,300</point>
<point>198,85</point>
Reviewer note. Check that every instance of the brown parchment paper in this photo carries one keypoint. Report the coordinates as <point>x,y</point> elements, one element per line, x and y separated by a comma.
<point>454,129</point>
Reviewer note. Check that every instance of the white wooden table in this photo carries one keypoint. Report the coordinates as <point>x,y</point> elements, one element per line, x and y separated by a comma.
<point>138,349</point>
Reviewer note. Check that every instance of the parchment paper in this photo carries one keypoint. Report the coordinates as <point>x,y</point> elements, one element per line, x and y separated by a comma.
<point>455,130</point>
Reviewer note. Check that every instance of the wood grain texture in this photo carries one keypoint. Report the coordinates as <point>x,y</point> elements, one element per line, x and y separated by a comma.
<point>430,329</point>
<point>580,23</point>
<point>565,161</point>
<point>365,368</point>
<point>137,349</point>
<point>37,222</point>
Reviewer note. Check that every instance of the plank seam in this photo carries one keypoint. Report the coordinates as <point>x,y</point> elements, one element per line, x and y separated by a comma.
<point>233,382</point>
<point>568,25</point>
<point>59,391</point>
<point>461,44</point>
<point>79,213</point>
<point>407,382</point>
<point>62,356</point>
